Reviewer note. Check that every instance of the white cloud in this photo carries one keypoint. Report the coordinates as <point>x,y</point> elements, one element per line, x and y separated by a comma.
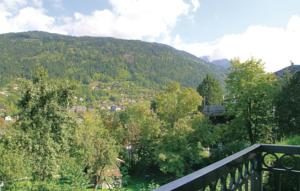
<point>24,15</point>
<point>151,20</point>
<point>23,20</point>
<point>196,5</point>
<point>275,46</point>
<point>11,5</point>
<point>132,19</point>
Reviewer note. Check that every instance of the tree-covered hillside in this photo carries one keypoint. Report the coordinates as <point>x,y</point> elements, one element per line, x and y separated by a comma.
<point>98,58</point>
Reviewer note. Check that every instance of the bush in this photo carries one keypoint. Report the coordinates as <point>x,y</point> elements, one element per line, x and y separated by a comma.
<point>43,186</point>
<point>295,140</point>
<point>149,187</point>
<point>13,167</point>
<point>71,174</point>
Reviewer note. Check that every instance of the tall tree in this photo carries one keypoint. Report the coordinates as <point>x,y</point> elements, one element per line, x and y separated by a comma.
<point>250,99</point>
<point>45,122</point>
<point>177,108</point>
<point>288,106</point>
<point>97,149</point>
<point>211,91</point>
<point>141,131</point>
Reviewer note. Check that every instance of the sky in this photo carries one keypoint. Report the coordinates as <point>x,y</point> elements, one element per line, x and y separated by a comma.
<point>263,29</point>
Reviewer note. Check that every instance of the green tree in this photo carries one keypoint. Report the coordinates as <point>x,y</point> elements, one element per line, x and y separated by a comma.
<point>45,123</point>
<point>288,106</point>
<point>250,99</point>
<point>141,131</point>
<point>71,173</point>
<point>96,148</point>
<point>181,121</point>
<point>211,91</point>
<point>176,103</point>
<point>14,166</point>
<point>172,154</point>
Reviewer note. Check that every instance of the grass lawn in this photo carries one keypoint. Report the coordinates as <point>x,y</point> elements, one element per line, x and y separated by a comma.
<point>136,183</point>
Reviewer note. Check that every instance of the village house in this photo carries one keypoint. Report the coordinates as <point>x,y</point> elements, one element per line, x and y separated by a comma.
<point>8,118</point>
<point>79,109</point>
<point>115,108</point>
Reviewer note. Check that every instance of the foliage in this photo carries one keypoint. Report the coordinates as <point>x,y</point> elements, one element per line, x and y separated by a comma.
<point>211,91</point>
<point>45,124</point>
<point>9,94</point>
<point>149,187</point>
<point>14,166</point>
<point>251,97</point>
<point>293,140</point>
<point>57,149</point>
<point>141,130</point>
<point>178,110</point>
<point>194,136</point>
<point>71,173</point>
<point>44,186</point>
<point>288,106</point>
<point>176,103</point>
<point>94,58</point>
<point>96,148</point>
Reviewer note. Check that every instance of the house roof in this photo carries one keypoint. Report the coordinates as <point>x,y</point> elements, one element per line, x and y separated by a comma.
<point>112,172</point>
<point>213,110</point>
<point>78,109</point>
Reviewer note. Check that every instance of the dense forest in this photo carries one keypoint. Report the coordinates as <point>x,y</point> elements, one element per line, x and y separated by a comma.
<point>97,58</point>
<point>160,135</point>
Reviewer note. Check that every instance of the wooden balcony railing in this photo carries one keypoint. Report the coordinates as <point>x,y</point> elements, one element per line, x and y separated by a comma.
<point>246,170</point>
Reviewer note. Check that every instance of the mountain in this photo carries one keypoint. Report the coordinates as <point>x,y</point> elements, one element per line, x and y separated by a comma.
<point>224,63</point>
<point>205,58</point>
<point>291,69</point>
<point>100,58</point>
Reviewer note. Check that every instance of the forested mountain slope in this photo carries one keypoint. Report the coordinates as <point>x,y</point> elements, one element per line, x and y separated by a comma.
<point>99,58</point>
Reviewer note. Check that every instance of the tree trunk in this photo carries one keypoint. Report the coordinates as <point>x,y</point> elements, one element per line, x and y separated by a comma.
<point>250,133</point>
<point>249,123</point>
<point>96,183</point>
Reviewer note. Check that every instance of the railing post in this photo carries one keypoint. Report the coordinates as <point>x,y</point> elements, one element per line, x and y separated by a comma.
<point>256,180</point>
<point>277,181</point>
<point>298,182</point>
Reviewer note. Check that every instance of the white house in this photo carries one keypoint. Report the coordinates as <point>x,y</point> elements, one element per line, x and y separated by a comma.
<point>8,118</point>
